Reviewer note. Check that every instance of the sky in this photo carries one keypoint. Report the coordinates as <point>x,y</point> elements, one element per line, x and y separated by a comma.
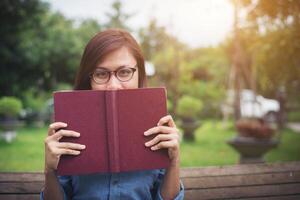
<point>198,23</point>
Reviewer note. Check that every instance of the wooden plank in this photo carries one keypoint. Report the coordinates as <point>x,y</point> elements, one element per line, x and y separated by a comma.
<point>241,180</point>
<point>244,192</point>
<point>287,197</point>
<point>21,176</point>
<point>185,172</point>
<point>20,197</point>
<point>21,187</point>
<point>240,169</point>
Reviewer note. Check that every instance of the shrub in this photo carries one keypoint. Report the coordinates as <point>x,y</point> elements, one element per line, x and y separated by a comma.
<point>10,106</point>
<point>169,106</point>
<point>189,107</point>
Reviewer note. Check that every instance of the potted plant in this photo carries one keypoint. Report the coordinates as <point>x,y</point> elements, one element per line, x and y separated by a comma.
<point>254,127</point>
<point>10,108</point>
<point>187,109</point>
<point>254,139</point>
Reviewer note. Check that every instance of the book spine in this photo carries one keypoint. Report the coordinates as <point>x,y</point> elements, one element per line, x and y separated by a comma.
<point>112,130</point>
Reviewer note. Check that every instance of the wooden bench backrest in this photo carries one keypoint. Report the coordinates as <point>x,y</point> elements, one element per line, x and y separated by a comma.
<point>277,181</point>
<point>260,181</point>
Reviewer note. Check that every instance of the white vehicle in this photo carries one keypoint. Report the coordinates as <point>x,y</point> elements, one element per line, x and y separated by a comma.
<point>252,105</point>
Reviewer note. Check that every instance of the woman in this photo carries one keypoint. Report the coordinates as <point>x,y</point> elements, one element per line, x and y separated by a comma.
<point>112,60</point>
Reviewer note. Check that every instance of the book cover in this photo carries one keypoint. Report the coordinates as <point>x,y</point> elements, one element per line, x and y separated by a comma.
<point>111,124</point>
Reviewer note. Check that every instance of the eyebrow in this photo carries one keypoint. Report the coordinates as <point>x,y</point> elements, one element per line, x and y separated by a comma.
<point>122,66</point>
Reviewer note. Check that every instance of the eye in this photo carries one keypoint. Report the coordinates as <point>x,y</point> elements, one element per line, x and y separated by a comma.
<point>124,72</point>
<point>101,74</point>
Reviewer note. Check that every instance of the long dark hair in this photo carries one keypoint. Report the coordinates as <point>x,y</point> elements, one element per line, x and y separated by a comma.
<point>101,45</point>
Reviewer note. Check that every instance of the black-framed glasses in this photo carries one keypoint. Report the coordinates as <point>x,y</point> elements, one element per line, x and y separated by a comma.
<point>123,74</point>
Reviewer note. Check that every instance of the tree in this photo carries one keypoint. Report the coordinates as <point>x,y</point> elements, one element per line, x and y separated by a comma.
<point>117,19</point>
<point>39,49</point>
<point>59,53</point>
<point>276,48</point>
<point>199,73</point>
<point>86,30</point>
<point>167,53</point>
<point>152,39</point>
<point>17,19</point>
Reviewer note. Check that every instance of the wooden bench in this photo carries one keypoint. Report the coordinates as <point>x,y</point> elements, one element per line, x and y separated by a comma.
<point>278,181</point>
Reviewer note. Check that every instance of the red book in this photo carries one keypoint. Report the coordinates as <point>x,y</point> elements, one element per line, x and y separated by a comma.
<point>111,124</point>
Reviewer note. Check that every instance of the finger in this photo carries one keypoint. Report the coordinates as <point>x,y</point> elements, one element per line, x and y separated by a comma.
<point>160,129</point>
<point>62,151</point>
<point>54,126</point>
<point>68,133</point>
<point>165,144</point>
<point>69,145</point>
<point>158,138</point>
<point>167,120</point>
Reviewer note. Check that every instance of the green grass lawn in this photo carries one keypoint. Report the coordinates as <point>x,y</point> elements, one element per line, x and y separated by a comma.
<point>210,147</point>
<point>26,153</point>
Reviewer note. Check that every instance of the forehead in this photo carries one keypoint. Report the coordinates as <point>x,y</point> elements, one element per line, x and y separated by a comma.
<point>117,58</point>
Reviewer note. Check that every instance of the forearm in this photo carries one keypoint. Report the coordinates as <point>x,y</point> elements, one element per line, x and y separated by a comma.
<point>53,150</point>
<point>171,182</point>
<point>52,188</point>
<point>170,187</point>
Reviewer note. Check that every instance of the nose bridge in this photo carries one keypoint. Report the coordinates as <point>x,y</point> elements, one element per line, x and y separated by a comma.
<point>113,82</point>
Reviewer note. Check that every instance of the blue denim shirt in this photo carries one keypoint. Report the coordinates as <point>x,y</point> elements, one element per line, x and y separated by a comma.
<point>135,185</point>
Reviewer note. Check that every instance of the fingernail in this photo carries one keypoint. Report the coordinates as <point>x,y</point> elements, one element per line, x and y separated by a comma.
<point>146,133</point>
<point>83,146</point>
<point>153,148</point>
<point>146,144</point>
<point>65,124</point>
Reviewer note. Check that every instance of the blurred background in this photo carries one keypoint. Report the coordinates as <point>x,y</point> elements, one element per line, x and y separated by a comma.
<point>231,69</point>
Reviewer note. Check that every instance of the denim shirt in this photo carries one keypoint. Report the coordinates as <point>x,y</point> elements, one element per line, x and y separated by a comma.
<point>135,185</point>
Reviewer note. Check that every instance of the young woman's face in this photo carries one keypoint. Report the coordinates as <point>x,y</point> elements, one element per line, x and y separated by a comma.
<point>122,61</point>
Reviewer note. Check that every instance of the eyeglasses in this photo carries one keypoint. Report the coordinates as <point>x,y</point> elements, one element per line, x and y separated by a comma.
<point>102,76</point>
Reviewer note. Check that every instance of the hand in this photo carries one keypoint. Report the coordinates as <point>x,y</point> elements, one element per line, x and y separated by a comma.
<point>54,149</point>
<point>168,137</point>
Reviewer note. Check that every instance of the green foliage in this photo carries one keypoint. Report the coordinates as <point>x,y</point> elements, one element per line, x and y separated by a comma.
<point>33,100</point>
<point>49,48</point>
<point>153,39</point>
<point>169,106</point>
<point>18,21</point>
<point>272,40</point>
<point>63,86</point>
<point>85,31</point>
<point>271,11</point>
<point>293,116</point>
<point>189,107</point>
<point>118,18</point>
<point>56,60</point>
<point>39,47</point>
<point>200,73</point>
<point>168,55</point>
<point>10,106</point>
<point>35,104</point>
<point>276,60</point>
